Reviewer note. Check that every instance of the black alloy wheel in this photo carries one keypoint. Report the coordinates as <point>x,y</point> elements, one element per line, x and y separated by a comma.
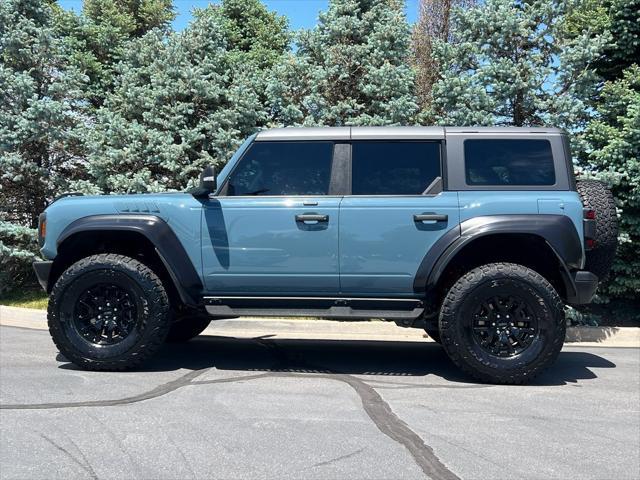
<point>504,326</point>
<point>105,314</point>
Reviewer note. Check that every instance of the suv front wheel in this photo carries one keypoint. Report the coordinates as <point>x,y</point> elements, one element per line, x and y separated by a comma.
<point>108,312</point>
<point>502,323</point>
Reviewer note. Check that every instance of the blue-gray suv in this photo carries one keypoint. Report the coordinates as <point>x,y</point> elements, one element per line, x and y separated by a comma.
<point>477,235</point>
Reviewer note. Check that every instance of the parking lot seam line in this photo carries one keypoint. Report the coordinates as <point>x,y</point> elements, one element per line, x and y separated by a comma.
<point>156,392</point>
<point>378,410</point>
<point>395,428</point>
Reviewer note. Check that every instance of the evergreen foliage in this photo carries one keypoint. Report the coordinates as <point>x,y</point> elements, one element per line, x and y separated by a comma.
<point>185,102</point>
<point>511,65</point>
<point>18,248</point>
<point>41,104</point>
<point>434,22</point>
<point>96,40</point>
<point>351,69</point>
<point>614,156</point>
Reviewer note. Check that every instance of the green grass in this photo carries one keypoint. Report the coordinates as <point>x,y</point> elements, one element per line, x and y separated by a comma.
<point>26,299</point>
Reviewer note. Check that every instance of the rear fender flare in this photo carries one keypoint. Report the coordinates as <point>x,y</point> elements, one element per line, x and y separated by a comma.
<point>558,231</point>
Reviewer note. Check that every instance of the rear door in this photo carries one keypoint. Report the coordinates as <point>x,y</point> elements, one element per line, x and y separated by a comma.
<point>273,230</point>
<point>395,213</point>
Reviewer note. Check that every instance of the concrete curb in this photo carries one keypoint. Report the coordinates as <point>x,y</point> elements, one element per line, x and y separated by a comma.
<point>251,327</point>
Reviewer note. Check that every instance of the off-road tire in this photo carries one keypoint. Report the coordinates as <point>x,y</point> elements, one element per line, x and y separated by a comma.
<point>596,196</point>
<point>495,278</point>
<point>187,327</point>
<point>153,316</point>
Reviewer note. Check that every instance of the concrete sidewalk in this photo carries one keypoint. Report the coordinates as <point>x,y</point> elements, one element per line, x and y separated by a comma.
<point>250,327</point>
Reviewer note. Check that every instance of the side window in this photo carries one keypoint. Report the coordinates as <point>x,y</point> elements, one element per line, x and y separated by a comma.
<point>508,162</point>
<point>283,168</point>
<point>394,167</point>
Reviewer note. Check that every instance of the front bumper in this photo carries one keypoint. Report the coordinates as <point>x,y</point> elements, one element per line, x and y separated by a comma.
<point>584,287</point>
<point>43,269</point>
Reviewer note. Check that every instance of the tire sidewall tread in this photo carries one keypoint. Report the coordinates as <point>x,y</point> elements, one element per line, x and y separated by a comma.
<point>156,317</point>
<point>492,369</point>
<point>595,195</point>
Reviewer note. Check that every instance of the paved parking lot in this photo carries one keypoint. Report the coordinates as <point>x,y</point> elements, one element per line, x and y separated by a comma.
<point>221,407</point>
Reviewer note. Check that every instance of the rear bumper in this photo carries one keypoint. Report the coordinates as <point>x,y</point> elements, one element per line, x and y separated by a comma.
<point>584,287</point>
<point>43,269</point>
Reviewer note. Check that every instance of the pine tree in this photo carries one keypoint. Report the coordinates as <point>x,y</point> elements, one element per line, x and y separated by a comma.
<point>623,50</point>
<point>511,65</point>
<point>614,156</point>
<point>252,33</point>
<point>185,101</point>
<point>96,40</point>
<point>134,18</point>
<point>18,249</point>
<point>351,69</point>
<point>41,103</point>
<point>434,20</point>
<point>610,147</point>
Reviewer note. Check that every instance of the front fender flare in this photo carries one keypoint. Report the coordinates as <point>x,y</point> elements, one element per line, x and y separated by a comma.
<point>157,231</point>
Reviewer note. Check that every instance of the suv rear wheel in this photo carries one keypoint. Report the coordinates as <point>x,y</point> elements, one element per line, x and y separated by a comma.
<point>502,323</point>
<point>108,312</point>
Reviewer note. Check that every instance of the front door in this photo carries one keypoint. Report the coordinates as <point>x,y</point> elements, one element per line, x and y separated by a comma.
<point>392,218</point>
<point>273,230</point>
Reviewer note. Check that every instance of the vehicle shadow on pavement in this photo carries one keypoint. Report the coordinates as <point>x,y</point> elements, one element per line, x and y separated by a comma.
<point>353,357</point>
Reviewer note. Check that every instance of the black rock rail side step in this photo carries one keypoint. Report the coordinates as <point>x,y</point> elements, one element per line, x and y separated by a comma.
<point>325,307</point>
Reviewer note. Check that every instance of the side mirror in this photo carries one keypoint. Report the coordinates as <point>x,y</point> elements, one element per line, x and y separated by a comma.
<point>207,183</point>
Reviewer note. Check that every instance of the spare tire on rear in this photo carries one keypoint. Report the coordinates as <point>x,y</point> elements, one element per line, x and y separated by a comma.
<point>596,196</point>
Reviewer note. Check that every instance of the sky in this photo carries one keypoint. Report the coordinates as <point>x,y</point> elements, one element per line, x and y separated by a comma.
<point>301,13</point>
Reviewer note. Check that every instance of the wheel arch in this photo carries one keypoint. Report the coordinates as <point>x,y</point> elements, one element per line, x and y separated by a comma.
<point>146,236</point>
<point>548,244</point>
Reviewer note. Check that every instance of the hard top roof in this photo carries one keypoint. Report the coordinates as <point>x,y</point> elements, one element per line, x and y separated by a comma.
<point>390,133</point>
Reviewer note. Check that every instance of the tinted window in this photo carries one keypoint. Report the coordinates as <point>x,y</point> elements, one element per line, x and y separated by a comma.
<point>283,168</point>
<point>509,162</point>
<point>394,168</point>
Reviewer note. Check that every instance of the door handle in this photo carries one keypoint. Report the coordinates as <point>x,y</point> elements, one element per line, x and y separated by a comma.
<point>312,217</point>
<point>430,217</point>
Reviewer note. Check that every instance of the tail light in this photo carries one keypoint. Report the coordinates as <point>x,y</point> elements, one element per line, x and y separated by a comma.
<point>589,224</point>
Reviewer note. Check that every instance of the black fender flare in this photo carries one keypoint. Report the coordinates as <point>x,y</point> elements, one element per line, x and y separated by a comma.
<point>557,230</point>
<point>171,252</point>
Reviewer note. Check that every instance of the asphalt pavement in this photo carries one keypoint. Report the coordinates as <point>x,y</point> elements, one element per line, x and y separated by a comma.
<point>266,407</point>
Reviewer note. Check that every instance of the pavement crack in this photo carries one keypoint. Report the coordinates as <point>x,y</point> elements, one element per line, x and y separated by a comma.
<point>114,437</point>
<point>337,459</point>
<point>156,392</point>
<point>85,465</point>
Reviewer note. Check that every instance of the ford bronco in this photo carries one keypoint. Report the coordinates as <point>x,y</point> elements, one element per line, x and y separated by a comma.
<point>477,235</point>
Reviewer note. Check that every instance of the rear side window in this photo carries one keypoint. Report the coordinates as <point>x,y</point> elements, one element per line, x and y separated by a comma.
<point>394,168</point>
<point>283,168</point>
<point>509,162</point>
